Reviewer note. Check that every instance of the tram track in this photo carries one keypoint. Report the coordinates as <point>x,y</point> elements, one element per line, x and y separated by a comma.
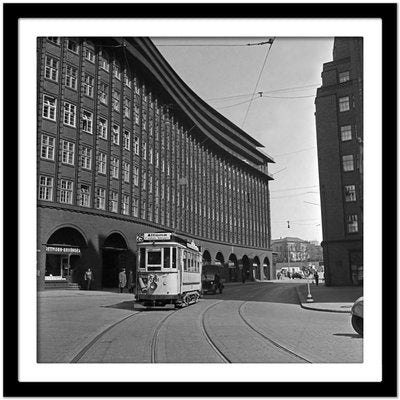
<point>207,335</point>
<point>93,342</point>
<point>267,338</point>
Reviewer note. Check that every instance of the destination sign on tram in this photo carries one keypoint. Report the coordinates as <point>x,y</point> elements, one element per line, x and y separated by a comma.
<point>154,236</point>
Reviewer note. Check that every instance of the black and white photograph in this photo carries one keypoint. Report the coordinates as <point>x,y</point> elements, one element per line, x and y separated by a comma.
<point>200,203</point>
<point>167,232</point>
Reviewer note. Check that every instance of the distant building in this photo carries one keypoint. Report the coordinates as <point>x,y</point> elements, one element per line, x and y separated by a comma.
<point>295,253</point>
<point>339,125</point>
<point>125,146</point>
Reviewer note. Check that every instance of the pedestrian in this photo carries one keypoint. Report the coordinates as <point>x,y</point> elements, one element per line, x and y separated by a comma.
<point>243,277</point>
<point>131,281</point>
<point>289,275</point>
<point>88,278</point>
<point>316,277</point>
<point>122,280</point>
<point>279,275</point>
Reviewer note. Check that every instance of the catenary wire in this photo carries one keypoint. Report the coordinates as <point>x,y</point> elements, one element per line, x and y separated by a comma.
<point>258,80</point>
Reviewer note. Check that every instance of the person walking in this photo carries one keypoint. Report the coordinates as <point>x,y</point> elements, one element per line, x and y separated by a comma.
<point>122,280</point>
<point>316,277</point>
<point>131,281</point>
<point>88,278</point>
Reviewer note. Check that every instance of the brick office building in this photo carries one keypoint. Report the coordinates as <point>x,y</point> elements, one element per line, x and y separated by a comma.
<point>339,123</point>
<point>124,146</point>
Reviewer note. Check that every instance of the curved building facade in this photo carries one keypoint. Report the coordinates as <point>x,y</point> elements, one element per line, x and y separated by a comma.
<point>125,146</point>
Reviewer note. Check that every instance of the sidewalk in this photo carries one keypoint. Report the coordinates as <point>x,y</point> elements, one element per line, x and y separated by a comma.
<point>329,298</point>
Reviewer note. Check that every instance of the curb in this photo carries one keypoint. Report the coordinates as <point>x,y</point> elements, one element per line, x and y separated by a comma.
<point>306,306</point>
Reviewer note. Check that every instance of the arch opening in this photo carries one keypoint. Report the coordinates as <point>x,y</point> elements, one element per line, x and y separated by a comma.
<point>63,255</point>
<point>114,253</point>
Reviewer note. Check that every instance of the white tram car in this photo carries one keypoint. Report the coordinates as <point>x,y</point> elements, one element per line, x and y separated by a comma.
<point>168,270</point>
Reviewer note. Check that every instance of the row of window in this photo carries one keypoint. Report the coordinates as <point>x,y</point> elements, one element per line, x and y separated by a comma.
<point>89,54</point>
<point>46,189</point>
<point>46,192</point>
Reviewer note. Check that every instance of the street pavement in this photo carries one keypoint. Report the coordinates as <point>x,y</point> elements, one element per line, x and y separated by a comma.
<point>82,315</point>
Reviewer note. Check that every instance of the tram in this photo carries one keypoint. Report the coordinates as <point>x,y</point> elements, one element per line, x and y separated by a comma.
<point>168,270</point>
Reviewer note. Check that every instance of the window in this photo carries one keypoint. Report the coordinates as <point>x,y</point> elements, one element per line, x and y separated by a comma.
<point>86,160</point>
<point>144,150</point>
<point>150,155</point>
<point>117,71</point>
<point>127,81</point>
<point>126,168</point>
<point>105,63</point>
<point>101,198</point>
<point>135,207</point>
<point>87,121</point>
<point>84,199</point>
<point>47,147</point>
<point>103,93</point>
<point>345,132</point>
<point>102,128</point>
<point>144,180</point>
<point>136,175</point>
<point>102,167</point>
<point>115,167</point>
<point>344,76</point>
<point>150,184</point>
<point>144,121</point>
<point>71,77</point>
<point>127,140</point>
<point>115,134</point>
<point>49,107</point>
<point>350,193</point>
<point>89,55</point>
<point>344,104</point>
<point>115,100</point>
<point>127,108</point>
<point>136,145</point>
<point>72,46</point>
<point>114,201</point>
<point>51,68</point>
<point>352,223</point>
<point>88,85</point>
<point>45,188</point>
<point>348,163</point>
<point>55,40</point>
<point>157,159</point>
<point>69,114</point>
<point>136,114</point>
<point>125,204</point>
<point>68,152</point>
<point>66,191</point>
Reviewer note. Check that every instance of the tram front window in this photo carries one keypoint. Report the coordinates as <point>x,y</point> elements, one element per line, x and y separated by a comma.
<point>167,259</point>
<point>154,260</point>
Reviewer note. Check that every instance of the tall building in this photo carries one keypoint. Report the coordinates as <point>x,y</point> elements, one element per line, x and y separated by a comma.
<point>125,146</point>
<point>339,123</point>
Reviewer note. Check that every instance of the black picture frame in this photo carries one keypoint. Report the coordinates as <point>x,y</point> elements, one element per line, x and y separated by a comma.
<point>12,12</point>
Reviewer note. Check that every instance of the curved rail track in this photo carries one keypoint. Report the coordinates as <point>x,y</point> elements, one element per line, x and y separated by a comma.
<point>273,342</point>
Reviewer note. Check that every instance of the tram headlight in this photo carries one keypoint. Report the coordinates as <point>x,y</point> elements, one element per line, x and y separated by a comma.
<point>153,286</point>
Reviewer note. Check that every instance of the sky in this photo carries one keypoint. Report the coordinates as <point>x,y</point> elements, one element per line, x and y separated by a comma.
<point>225,72</point>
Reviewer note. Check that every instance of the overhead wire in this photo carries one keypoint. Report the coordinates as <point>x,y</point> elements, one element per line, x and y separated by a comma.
<point>212,45</point>
<point>271,41</point>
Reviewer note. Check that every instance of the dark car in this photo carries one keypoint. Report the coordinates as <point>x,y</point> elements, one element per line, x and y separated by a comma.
<point>211,279</point>
<point>297,275</point>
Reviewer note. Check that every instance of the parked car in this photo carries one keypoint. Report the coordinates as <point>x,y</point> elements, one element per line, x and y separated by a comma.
<point>357,316</point>
<point>297,275</point>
